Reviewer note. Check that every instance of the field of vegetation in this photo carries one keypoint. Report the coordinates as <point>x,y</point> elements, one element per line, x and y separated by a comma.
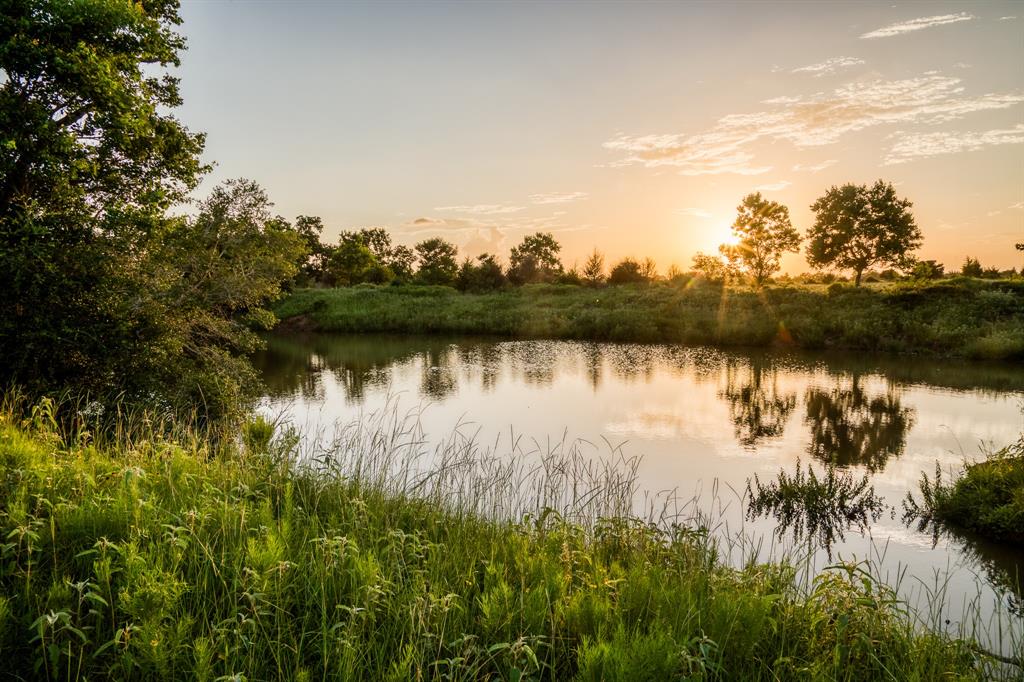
<point>963,317</point>
<point>142,557</point>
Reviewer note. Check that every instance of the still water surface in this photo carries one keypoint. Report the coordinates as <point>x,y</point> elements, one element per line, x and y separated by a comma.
<point>704,421</point>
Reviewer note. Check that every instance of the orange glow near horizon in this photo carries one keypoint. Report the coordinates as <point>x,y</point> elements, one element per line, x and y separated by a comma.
<point>485,122</point>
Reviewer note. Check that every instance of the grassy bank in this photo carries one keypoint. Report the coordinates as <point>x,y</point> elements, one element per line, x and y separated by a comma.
<point>147,559</point>
<point>987,498</point>
<point>963,318</point>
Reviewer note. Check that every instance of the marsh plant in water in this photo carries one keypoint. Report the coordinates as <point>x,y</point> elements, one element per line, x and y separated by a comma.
<point>818,509</point>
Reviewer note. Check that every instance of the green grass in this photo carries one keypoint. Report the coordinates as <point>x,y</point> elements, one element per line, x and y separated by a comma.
<point>986,499</point>
<point>142,558</point>
<point>962,317</point>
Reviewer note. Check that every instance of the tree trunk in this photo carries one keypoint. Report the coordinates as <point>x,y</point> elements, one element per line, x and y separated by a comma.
<point>856,282</point>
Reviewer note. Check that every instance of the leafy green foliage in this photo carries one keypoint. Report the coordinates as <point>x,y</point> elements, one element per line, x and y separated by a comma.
<point>103,290</point>
<point>927,269</point>
<point>485,275</point>
<point>351,262</point>
<point>88,165</point>
<point>314,266</point>
<point>436,260</point>
<point>857,227</point>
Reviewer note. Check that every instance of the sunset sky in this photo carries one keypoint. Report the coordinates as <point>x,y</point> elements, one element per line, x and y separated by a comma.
<point>636,128</point>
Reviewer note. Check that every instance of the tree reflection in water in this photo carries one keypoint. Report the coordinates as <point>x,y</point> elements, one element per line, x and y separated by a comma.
<point>757,408</point>
<point>851,427</point>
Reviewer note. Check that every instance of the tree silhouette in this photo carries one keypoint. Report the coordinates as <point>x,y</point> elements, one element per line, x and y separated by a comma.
<point>857,227</point>
<point>535,259</point>
<point>485,275</point>
<point>764,233</point>
<point>626,271</point>
<point>971,267</point>
<point>711,268</point>
<point>593,269</point>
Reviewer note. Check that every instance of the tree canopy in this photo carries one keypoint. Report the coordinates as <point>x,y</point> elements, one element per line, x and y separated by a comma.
<point>764,232</point>
<point>437,261</point>
<point>857,227</point>
<point>535,259</point>
<point>104,290</point>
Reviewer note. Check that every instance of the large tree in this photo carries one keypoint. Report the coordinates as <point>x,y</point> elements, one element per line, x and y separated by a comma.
<point>437,261</point>
<point>351,261</point>
<point>103,290</point>
<point>314,265</point>
<point>205,287</point>
<point>763,233</point>
<point>535,259</point>
<point>89,163</point>
<point>858,227</point>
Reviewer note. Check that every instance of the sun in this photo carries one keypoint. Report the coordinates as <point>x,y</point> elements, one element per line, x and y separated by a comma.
<point>723,234</point>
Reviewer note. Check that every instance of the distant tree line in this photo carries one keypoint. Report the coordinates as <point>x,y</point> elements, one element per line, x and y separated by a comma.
<point>867,231</point>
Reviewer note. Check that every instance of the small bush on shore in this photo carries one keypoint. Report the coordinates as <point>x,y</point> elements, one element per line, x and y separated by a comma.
<point>987,498</point>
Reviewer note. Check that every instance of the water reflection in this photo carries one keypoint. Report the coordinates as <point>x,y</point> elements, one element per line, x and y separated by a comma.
<point>705,421</point>
<point>1001,564</point>
<point>852,408</point>
<point>758,409</point>
<point>852,426</point>
<point>819,509</point>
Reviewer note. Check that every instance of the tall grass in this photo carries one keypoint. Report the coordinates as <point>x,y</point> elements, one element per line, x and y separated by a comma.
<point>150,557</point>
<point>986,498</point>
<point>966,318</point>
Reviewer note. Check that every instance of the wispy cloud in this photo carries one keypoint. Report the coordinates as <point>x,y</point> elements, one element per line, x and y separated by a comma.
<point>694,212</point>
<point>816,120</point>
<point>917,24</point>
<point>815,167</point>
<point>829,66</point>
<point>482,209</point>
<point>1007,18</point>
<point>712,153</point>
<point>774,186</point>
<point>912,146</point>
<point>557,197</point>
<point>1019,204</point>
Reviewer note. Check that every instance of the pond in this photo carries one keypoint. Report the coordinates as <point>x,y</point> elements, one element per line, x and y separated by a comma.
<point>704,421</point>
